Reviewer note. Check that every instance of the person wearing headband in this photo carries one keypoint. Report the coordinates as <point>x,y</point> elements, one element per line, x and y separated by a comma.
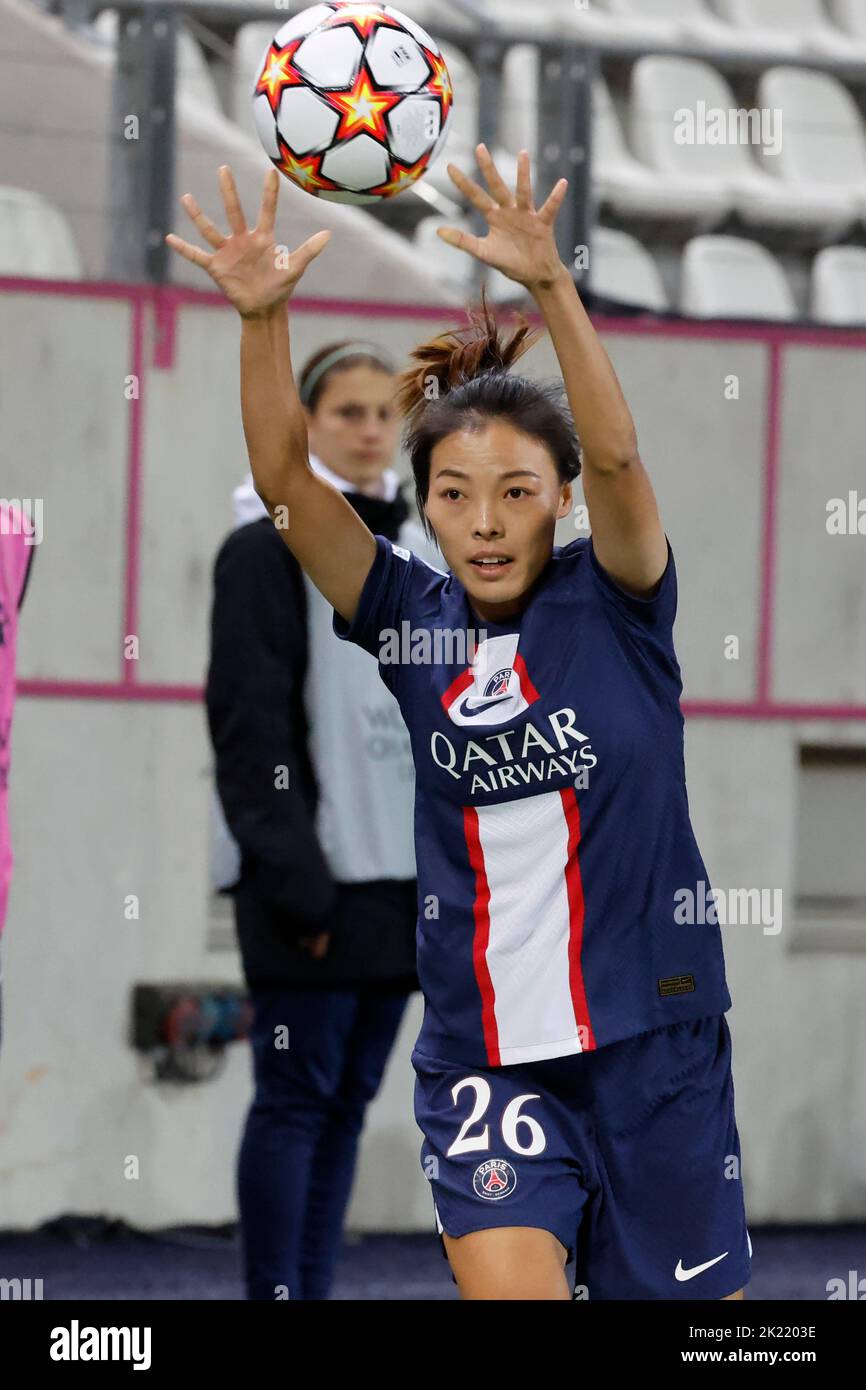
<point>321,866</point>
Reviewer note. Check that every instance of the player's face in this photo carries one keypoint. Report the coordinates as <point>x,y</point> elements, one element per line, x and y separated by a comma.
<point>495,491</point>
<point>355,425</point>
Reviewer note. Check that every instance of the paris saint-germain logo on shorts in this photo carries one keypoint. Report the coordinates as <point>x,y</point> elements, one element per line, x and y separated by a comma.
<point>494,1179</point>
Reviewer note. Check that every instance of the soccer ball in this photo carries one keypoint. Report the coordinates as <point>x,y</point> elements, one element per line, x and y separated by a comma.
<point>351,101</point>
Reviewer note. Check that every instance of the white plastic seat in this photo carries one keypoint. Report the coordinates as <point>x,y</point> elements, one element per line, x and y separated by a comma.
<point>632,189</point>
<point>613,23</point>
<point>689,22</point>
<point>618,21</point>
<point>729,277</point>
<point>35,238</point>
<point>621,268</point>
<point>796,27</point>
<point>665,87</point>
<point>849,16</point>
<point>839,285</point>
<point>551,18</point>
<point>427,12</point>
<point>619,180</point>
<point>824,140</point>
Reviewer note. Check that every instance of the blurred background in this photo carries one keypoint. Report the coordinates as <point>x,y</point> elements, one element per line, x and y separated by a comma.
<point>716,221</point>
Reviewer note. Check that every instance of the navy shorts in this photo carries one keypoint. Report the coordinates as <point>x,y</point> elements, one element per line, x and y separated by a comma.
<point>629,1154</point>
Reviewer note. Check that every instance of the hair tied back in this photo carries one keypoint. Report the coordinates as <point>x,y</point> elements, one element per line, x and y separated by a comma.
<point>460,355</point>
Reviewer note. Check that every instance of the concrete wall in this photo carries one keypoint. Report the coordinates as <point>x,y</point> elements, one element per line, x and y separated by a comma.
<point>111,765</point>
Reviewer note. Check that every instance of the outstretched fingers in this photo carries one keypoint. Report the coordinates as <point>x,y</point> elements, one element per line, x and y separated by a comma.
<point>495,182</point>
<point>548,212</point>
<point>472,191</point>
<point>524,183</point>
<point>231,201</point>
<point>464,241</point>
<point>212,235</point>
<point>309,250</point>
<point>268,209</point>
<point>188,251</point>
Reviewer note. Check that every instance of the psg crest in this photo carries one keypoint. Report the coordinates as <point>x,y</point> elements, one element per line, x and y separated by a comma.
<point>494,1179</point>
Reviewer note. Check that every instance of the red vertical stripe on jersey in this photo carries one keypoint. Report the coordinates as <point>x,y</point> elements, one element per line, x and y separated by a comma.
<point>481,914</point>
<point>527,689</point>
<point>574,888</point>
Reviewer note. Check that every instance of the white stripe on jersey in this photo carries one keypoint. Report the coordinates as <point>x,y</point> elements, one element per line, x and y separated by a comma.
<point>525,849</point>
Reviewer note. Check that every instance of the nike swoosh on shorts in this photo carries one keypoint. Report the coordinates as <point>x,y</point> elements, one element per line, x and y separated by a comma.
<point>682,1274</point>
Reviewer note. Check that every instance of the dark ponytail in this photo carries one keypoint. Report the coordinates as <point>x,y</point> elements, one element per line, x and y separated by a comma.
<point>461,378</point>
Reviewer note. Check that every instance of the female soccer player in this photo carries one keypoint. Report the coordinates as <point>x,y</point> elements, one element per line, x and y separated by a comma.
<point>573,1071</point>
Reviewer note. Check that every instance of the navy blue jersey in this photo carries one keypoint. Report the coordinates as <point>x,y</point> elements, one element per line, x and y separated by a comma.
<point>552,827</point>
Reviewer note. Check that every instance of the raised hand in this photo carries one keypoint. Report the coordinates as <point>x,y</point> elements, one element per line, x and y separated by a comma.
<point>520,241</point>
<point>253,273</point>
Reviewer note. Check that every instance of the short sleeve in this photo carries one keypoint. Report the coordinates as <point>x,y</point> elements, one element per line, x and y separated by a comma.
<point>657,612</point>
<point>394,592</point>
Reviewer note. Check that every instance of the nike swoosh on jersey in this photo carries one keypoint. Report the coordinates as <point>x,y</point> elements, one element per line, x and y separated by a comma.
<point>682,1274</point>
<point>469,713</point>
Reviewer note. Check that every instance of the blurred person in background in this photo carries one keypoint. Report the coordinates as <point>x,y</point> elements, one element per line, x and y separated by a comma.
<point>16,557</point>
<point>315,777</point>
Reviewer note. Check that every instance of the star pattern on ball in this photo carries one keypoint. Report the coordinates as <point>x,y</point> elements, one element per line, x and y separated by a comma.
<point>440,83</point>
<point>363,108</point>
<point>306,171</point>
<point>364,19</point>
<point>401,176</point>
<point>279,73</point>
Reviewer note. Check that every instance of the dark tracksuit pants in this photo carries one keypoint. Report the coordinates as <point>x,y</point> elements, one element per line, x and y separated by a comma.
<point>298,1152</point>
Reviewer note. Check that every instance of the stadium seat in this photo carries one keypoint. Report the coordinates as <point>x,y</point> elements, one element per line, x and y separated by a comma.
<point>839,285</point>
<point>797,27</point>
<point>428,12</point>
<point>729,277</point>
<point>665,87</point>
<point>849,16</point>
<point>621,268</point>
<point>617,21</point>
<point>552,17</point>
<point>824,140</point>
<point>35,238</point>
<point>613,23</point>
<point>688,22</point>
<point>632,189</point>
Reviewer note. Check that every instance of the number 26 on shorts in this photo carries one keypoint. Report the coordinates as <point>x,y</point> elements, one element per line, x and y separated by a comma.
<point>511,1123</point>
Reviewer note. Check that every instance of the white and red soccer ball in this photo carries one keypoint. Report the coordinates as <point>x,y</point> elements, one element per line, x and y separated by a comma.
<point>351,101</point>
